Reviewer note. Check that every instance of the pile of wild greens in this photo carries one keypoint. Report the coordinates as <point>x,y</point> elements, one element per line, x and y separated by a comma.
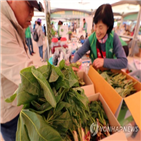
<point>100,127</point>
<point>53,104</point>
<point>123,86</point>
<point>55,108</point>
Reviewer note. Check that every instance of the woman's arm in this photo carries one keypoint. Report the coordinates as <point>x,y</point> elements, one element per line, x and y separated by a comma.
<point>121,61</point>
<point>81,51</point>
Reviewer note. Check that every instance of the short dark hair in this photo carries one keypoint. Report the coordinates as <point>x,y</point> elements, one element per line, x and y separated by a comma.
<point>105,14</point>
<point>38,23</point>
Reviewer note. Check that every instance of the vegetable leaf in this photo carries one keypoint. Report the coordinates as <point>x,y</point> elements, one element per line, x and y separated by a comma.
<point>29,82</point>
<point>62,64</point>
<point>45,70</point>
<point>11,99</point>
<point>54,76</point>
<point>35,125</point>
<point>48,93</point>
<point>23,97</point>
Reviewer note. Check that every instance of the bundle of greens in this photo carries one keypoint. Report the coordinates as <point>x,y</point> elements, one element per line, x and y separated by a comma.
<point>75,67</point>
<point>100,126</point>
<point>55,108</point>
<point>123,86</point>
<point>81,81</point>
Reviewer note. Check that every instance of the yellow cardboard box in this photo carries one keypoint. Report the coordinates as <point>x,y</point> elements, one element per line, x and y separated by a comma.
<point>114,124</point>
<point>113,99</point>
<point>89,86</point>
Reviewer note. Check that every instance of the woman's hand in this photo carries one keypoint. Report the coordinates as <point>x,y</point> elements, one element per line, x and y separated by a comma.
<point>99,62</point>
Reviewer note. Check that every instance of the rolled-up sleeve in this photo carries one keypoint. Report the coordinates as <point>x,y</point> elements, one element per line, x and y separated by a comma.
<point>82,50</point>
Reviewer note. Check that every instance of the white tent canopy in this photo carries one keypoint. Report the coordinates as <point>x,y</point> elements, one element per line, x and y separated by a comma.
<point>125,6</point>
<point>120,7</point>
<point>87,5</point>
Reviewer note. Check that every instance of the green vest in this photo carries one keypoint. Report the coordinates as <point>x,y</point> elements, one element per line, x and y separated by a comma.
<point>27,33</point>
<point>58,31</point>
<point>109,46</point>
<point>84,26</point>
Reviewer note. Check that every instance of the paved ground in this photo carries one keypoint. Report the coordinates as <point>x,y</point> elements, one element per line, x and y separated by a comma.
<point>36,57</point>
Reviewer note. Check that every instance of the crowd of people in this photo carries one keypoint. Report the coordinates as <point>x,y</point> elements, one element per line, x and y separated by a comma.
<point>41,31</point>
<point>125,29</point>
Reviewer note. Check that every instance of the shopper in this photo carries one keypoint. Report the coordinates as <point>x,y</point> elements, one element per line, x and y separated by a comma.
<point>29,40</point>
<point>60,23</point>
<point>85,27</point>
<point>52,30</point>
<point>44,29</point>
<point>34,25</point>
<point>40,33</point>
<point>31,29</point>
<point>15,16</point>
<point>104,44</point>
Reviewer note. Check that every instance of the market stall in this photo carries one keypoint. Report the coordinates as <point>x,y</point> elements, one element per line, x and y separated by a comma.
<point>61,105</point>
<point>128,7</point>
<point>65,101</point>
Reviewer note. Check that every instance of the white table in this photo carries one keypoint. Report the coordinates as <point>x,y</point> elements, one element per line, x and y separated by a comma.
<point>125,39</point>
<point>126,36</point>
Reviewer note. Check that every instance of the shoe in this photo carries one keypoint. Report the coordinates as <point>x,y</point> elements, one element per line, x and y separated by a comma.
<point>42,59</point>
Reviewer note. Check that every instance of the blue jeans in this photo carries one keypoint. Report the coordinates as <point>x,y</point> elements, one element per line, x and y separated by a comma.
<point>41,51</point>
<point>9,129</point>
<point>30,46</point>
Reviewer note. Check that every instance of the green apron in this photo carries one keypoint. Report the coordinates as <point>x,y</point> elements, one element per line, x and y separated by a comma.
<point>109,46</point>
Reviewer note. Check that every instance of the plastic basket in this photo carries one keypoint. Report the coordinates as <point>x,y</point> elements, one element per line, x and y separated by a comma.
<point>51,60</point>
<point>136,74</point>
<point>131,66</point>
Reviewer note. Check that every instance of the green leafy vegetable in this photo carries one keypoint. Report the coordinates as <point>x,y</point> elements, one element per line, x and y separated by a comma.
<point>48,93</point>
<point>31,126</point>
<point>23,97</point>
<point>11,99</point>
<point>54,105</point>
<point>123,86</point>
<point>54,76</point>
<point>29,82</point>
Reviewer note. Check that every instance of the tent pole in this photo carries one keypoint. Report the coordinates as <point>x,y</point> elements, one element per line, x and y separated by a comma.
<point>121,21</point>
<point>47,10</point>
<point>136,32</point>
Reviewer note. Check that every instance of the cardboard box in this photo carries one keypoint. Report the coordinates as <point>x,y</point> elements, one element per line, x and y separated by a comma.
<point>123,114</point>
<point>114,124</point>
<point>113,99</point>
<point>89,86</point>
<point>136,138</point>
